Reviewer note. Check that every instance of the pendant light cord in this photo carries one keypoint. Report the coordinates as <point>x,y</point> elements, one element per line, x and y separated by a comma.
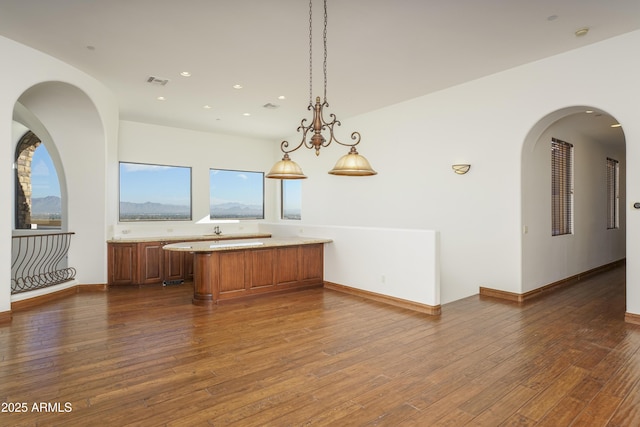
<point>310,53</point>
<point>324,40</point>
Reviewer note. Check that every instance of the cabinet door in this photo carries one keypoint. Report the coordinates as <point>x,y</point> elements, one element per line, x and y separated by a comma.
<point>173,265</point>
<point>232,273</point>
<point>122,263</point>
<point>189,260</point>
<point>261,268</point>
<point>288,266</point>
<point>151,262</point>
<point>312,263</point>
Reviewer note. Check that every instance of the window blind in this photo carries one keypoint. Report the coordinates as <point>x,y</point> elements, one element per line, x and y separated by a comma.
<point>561,187</point>
<point>613,193</point>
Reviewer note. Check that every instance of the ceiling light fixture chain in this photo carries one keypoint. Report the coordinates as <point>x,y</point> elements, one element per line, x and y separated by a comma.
<point>352,164</point>
<point>324,64</point>
<point>310,53</point>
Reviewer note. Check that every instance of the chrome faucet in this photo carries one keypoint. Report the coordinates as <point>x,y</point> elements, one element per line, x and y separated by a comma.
<point>216,230</point>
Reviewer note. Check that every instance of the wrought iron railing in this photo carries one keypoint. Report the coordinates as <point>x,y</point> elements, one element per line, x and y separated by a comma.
<point>39,261</point>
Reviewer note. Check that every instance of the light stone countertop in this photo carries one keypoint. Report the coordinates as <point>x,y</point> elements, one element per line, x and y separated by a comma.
<point>207,237</point>
<point>239,244</point>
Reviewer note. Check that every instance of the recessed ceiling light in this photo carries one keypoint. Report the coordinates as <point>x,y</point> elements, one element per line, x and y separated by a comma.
<point>246,114</point>
<point>616,125</point>
<point>282,97</point>
<point>161,98</point>
<point>237,86</point>
<point>185,74</point>
<point>582,32</point>
<point>206,107</point>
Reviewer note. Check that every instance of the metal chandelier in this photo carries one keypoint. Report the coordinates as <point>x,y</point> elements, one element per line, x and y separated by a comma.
<point>352,163</point>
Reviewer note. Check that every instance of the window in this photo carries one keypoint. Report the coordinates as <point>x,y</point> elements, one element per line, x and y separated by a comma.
<point>291,199</point>
<point>236,194</point>
<point>561,187</point>
<point>154,192</point>
<point>613,193</point>
<point>37,203</point>
<point>46,207</point>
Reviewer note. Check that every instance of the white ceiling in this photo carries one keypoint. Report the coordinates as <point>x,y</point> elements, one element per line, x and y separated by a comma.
<point>380,52</point>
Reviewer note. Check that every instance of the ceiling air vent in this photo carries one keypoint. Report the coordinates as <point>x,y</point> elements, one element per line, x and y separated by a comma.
<point>270,106</point>
<point>157,81</point>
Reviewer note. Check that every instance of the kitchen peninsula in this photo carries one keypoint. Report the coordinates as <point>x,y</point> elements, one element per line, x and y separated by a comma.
<point>141,261</point>
<point>232,269</point>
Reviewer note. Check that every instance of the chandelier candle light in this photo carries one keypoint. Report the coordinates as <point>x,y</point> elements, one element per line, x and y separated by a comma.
<point>351,164</point>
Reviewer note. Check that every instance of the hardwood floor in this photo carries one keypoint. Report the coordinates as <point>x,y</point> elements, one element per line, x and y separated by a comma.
<point>323,358</point>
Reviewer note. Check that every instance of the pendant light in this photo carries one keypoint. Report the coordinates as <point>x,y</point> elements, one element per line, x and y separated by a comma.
<point>351,164</point>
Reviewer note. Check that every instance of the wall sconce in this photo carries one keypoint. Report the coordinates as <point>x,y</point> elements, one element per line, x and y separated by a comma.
<point>461,169</point>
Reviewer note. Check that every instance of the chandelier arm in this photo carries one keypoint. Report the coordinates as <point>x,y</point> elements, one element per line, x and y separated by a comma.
<point>332,137</point>
<point>354,135</point>
<point>284,145</point>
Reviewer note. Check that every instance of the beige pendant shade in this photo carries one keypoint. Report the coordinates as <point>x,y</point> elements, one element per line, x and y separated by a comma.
<point>352,164</point>
<point>286,169</point>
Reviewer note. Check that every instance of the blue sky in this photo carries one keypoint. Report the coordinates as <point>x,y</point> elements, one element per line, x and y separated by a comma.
<point>140,183</point>
<point>229,186</point>
<point>292,194</point>
<point>44,179</point>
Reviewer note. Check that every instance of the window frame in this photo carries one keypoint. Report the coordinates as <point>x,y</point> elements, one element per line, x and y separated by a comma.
<point>283,199</point>
<point>158,219</point>
<point>241,218</point>
<point>613,193</point>
<point>562,188</point>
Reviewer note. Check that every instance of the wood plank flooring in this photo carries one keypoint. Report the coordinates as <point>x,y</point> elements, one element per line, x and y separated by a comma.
<point>148,357</point>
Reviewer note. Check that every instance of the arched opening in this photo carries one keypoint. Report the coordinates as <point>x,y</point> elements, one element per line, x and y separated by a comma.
<point>63,119</point>
<point>592,242</point>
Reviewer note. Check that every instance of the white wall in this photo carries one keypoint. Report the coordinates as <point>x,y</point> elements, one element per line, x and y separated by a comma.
<point>485,123</point>
<point>76,132</point>
<point>400,263</point>
<point>547,259</point>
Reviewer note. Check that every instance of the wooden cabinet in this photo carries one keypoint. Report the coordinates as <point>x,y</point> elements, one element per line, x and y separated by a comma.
<point>146,263</point>
<point>174,266</point>
<point>122,264</point>
<point>226,275</point>
<point>188,266</point>
<point>151,262</point>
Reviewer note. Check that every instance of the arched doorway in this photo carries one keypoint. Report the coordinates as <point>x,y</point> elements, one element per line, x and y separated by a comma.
<point>548,259</point>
